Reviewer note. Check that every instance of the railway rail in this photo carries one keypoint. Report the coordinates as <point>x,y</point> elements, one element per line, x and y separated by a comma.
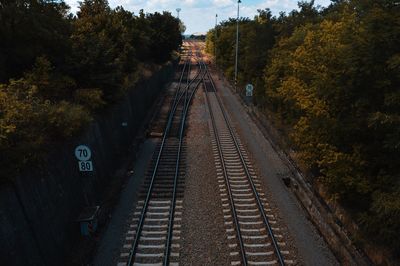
<point>253,233</point>
<point>154,234</point>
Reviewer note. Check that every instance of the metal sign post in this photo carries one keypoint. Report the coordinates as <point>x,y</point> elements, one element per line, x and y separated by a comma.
<point>83,154</point>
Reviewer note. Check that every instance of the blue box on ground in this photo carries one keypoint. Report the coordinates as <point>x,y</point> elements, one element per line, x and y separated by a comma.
<point>88,220</point>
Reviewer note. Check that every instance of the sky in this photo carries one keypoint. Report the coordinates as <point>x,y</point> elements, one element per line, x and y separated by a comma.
<point>199,15</point>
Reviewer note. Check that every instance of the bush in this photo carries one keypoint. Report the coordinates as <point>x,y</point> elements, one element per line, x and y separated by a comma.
<point>28,124</point>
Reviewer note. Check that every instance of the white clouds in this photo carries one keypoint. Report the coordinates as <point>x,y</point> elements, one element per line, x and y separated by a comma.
<point>199,15</point>
<point>223,3</point>
<point>189,2</point>
<point>73,4</point>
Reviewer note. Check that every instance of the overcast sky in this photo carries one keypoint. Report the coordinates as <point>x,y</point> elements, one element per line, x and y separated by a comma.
<point>199,15</point>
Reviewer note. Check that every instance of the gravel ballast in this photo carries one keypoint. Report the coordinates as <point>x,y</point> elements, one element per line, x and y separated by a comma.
<point>204,240</point>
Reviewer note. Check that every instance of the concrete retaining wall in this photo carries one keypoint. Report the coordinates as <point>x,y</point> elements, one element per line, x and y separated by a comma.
<point>38,213</point>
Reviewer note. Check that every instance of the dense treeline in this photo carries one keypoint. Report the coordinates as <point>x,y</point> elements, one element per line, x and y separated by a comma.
<point>57,69</point>
<point>332,77</point>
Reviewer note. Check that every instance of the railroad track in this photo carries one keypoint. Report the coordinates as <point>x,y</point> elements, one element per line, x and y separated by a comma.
<point>154,234</point>
<point>253,233</point>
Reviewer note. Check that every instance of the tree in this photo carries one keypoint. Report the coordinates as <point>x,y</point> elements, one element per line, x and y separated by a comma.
<point>257,37</point>
<point>28,124</point>
<point>182,27</point>
<point>165,35</point>
<point>102,48</point>
<point>41,24</point>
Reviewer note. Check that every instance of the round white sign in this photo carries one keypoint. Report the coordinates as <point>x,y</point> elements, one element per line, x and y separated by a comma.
<point>83,153</point>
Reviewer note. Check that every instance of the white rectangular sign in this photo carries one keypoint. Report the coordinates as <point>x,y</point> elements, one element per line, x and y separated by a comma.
<point>249,90</point>
<point>85,166</point>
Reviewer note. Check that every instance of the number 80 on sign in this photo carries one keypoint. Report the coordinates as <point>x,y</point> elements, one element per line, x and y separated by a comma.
<point>85,166</point>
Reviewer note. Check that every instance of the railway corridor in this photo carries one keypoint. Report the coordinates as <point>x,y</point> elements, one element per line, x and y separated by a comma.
<point>202,201</point>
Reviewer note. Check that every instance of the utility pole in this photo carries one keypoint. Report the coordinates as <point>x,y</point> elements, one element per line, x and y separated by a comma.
<point>215,40</point>
<point>178,10</point>
<point>237,44</point>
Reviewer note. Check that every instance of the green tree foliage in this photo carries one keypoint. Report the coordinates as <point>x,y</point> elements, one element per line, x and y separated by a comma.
<point>256,38</point>
<point>307,13</point>
<point>165,35</point>
<point>28,123</point>
<point>225,44</point>
<point>57,69</point>
<point>99,47</point>
<point>29,28</point>
<point>50,84</point>
<point>333,78</point>
<point>182,27</point>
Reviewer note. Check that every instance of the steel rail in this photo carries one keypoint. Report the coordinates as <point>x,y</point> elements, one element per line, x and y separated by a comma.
<point>177,99</point>
<point>185,89</point>
<point>180,83</point>
<point>139,228</point>
<point>254,190</point>
<point>233,208</point>
<point>181,78</point>
<point>173,202</point>
<point>174,106</point>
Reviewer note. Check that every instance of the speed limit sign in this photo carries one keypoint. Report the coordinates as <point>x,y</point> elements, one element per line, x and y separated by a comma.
<point>83,153</point>
<point>85,166</point>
